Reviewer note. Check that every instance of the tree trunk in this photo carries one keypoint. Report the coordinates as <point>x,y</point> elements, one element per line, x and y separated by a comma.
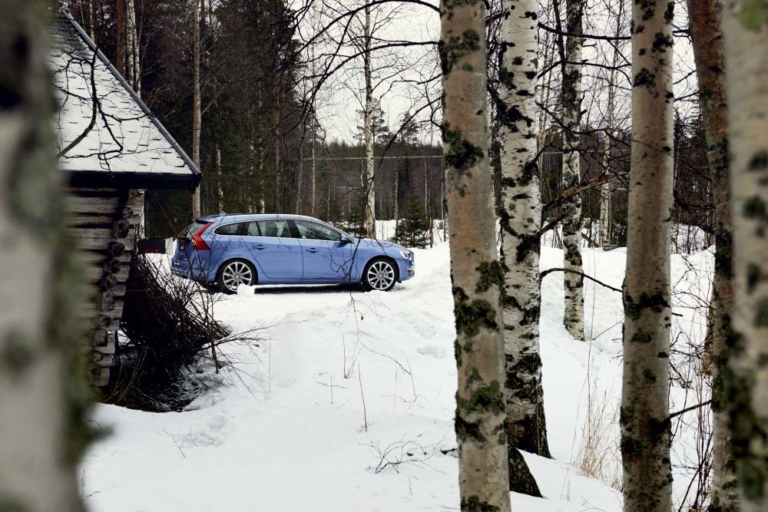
<point>220,185</point>
<point>314,165</point>
<point>705,19</point>
<point>606,213</point>
<point>645,425</point>
<point>196,114</point>
<point>42,374</point>
<point>571,209</point>
<point>369,189</point>
<point>276,113</point>
<point>520,216</point>
<point>132,47</point>
<point>476,272</point>
<point>120,40</point>
<point>745,30</point>
<point>92,6</point>
<point>605,188</point>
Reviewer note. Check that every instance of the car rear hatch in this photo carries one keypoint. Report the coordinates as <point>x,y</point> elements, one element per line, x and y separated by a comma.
<point>188,244</point>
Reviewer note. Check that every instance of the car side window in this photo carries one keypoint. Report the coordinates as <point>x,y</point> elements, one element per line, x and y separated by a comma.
<point>231,229</point>
<point>275,228</point>
<point>313,231</point>
<point>253,229</point>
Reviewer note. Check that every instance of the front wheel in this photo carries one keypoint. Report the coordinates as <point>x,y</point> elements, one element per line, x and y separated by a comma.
<point>380,274</point>
<point>234,273</point>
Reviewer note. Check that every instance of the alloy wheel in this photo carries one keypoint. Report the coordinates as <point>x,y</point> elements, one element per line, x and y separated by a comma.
<point>235,274</point>
<point>381,275</point>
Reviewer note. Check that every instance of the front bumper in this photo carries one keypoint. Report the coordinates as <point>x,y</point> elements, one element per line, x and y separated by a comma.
<point>407,269</point>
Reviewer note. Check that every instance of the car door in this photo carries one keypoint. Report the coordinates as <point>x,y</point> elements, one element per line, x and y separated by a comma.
<point>326,257</point>
<point>277,252</point>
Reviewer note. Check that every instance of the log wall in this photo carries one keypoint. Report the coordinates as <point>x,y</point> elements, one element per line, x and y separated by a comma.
<point>104,223</point>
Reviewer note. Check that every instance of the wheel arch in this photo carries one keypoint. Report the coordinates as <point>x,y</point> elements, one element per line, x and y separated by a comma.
<point>385,257</point>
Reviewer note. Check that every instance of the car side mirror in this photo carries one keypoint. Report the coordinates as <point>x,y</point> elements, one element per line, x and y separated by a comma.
<point>346,240</point>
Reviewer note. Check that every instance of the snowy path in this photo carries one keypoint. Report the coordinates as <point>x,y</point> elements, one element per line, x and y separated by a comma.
<point>287,431</point>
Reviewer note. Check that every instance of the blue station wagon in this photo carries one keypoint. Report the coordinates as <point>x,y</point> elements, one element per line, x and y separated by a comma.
<point>227,250</point>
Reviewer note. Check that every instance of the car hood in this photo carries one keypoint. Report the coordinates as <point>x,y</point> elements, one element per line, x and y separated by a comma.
<point>368,242</point>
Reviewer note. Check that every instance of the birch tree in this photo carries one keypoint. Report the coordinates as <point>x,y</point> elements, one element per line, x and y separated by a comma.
<point>705,18</point>
<point>606,213</point>
<point>745,30</point>
<point>133,68</point>
<point>43,391</point>
<point>476,272</point>
<point>369,189</point>
<point>571,209</point>
<point>520,215</point>
<point>645,424</point>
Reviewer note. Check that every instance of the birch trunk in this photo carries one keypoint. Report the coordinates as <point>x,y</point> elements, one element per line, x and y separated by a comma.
<point>645,425</point>
<point>314,165</point>
<point>196,114</point>
<point>571,209</point>
<point>369,189</point>
<point>92,6</point>
<point>132,47</point>
<point>41,376</point>
<point>705,20</point>
<point>605,192</point>
<point>476,272</point>
<point>606,213</point>
<point>745,30</point>
<point>520,216</point>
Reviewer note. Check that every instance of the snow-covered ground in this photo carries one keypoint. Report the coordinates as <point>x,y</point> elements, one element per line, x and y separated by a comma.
<point>347,404</point>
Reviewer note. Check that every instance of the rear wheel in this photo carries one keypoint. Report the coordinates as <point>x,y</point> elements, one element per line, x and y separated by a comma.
<point>380,274</point>
<point>234,273</point>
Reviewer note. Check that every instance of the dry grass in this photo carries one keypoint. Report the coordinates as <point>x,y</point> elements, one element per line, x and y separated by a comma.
<point>598,455</point>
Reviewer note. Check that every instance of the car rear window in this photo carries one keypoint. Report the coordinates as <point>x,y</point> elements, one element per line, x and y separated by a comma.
<point>232,229</point>
<point>190,230</point>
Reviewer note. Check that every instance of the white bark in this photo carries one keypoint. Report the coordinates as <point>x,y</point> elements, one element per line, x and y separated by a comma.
<point>133,65</point>
<point>476,272</point>
<point>606,214</point>
<point>745,31</point>
<point>40,409</point>
<point>571,209</point>
<point>645,426</point>
<point>521,213</point>
<point>369,188</point>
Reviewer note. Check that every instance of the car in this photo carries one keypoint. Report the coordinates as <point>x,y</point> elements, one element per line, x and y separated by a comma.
<point>225,251</point>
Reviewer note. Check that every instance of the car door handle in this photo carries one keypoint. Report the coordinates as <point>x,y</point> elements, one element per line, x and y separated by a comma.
<point>312,250</point>
<point>260,247</point>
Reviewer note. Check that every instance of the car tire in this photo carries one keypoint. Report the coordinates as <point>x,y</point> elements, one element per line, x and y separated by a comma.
<point>380,274</point>
<point>233,273</point>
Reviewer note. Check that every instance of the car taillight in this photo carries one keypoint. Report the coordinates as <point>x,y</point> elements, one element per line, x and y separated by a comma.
<point>197,241</point>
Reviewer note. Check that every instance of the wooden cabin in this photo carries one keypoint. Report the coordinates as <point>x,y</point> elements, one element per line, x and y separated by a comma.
<point>113,150</point>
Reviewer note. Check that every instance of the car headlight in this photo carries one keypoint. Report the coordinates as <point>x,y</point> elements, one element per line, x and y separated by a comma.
<point>406,254</point>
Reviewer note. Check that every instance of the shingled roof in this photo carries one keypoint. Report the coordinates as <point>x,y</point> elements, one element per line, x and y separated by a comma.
<point>126,145</point>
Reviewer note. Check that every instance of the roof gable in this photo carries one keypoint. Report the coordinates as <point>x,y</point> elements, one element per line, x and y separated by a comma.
<point>122,142</point>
